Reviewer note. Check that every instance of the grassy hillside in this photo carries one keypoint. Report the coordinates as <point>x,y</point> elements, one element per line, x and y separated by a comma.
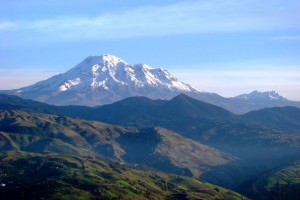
<point>51,133</point>
<point>162,149</point>
<point>65,176</point>
<point>261,145</point>
<point>258,147</point>
<point>197,120</point>
<point>190,154</point>
<point>55,157</point>
<point>168,151</point>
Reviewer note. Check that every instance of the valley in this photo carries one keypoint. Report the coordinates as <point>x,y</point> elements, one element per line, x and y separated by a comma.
<point>149,100</point>
<point>182,136</point>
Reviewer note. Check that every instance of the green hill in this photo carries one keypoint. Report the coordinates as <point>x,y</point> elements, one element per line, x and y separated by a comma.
<point>162,149</point>
<point>280,184</point>
<point>53,157</point>
<point>190,137</point>
<point>69,176</point>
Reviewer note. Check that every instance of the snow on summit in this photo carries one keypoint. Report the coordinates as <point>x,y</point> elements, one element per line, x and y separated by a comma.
<point>108,71</point>
<point>105,79</point>
<point>256,95</point>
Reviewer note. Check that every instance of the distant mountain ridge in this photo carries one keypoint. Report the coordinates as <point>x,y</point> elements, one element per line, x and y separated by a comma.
<point>261,140</point>
<point>153,112</point>
<point>192,118</point>
<point>256,95</point>
<point>56,157</point>
<point>105,79</point>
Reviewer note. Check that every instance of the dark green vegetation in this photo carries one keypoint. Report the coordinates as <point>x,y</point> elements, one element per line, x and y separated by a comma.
<point>69,176</point>
<point>281,183</point>
<point>281,118</point>
<point>155,147</point>
<point>196,138</point>
<point>66,158</point>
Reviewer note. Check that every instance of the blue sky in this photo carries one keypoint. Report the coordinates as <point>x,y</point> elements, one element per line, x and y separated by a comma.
<point>228,47</point>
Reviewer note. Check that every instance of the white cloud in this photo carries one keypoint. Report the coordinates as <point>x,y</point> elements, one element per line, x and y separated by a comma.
<point>180,18</point>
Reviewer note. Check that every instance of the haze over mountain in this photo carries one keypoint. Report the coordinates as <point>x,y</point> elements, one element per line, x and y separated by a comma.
<point>281,118</point>
<point>57,157</point>
<point>105,79</point>
<point>258,100</point>
<point>181,135</point>
<point>122,128</point>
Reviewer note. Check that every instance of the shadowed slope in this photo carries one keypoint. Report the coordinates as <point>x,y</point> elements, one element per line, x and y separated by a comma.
<point>282,118</point>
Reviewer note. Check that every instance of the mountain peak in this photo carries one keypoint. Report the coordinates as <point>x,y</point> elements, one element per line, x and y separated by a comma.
<point>111,59</point>
<point>105,79</point>
<point>103,60</point>
<point>108,72</point>
<point>182,96</point>
<point>257,95</point>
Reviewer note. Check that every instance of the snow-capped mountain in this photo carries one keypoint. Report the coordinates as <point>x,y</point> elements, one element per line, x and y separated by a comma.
<point>104,79</point>
<point>256,95</point>
<point>258,100</point>
<point>107,72</point>
<point>99,80</point>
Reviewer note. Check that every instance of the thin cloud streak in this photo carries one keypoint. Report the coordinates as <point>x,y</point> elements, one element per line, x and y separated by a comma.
<point>7,25</point>
<point>180,18</point>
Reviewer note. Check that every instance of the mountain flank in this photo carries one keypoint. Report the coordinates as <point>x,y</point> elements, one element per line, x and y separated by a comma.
<point>162,149</point>
<point>182,136</point>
